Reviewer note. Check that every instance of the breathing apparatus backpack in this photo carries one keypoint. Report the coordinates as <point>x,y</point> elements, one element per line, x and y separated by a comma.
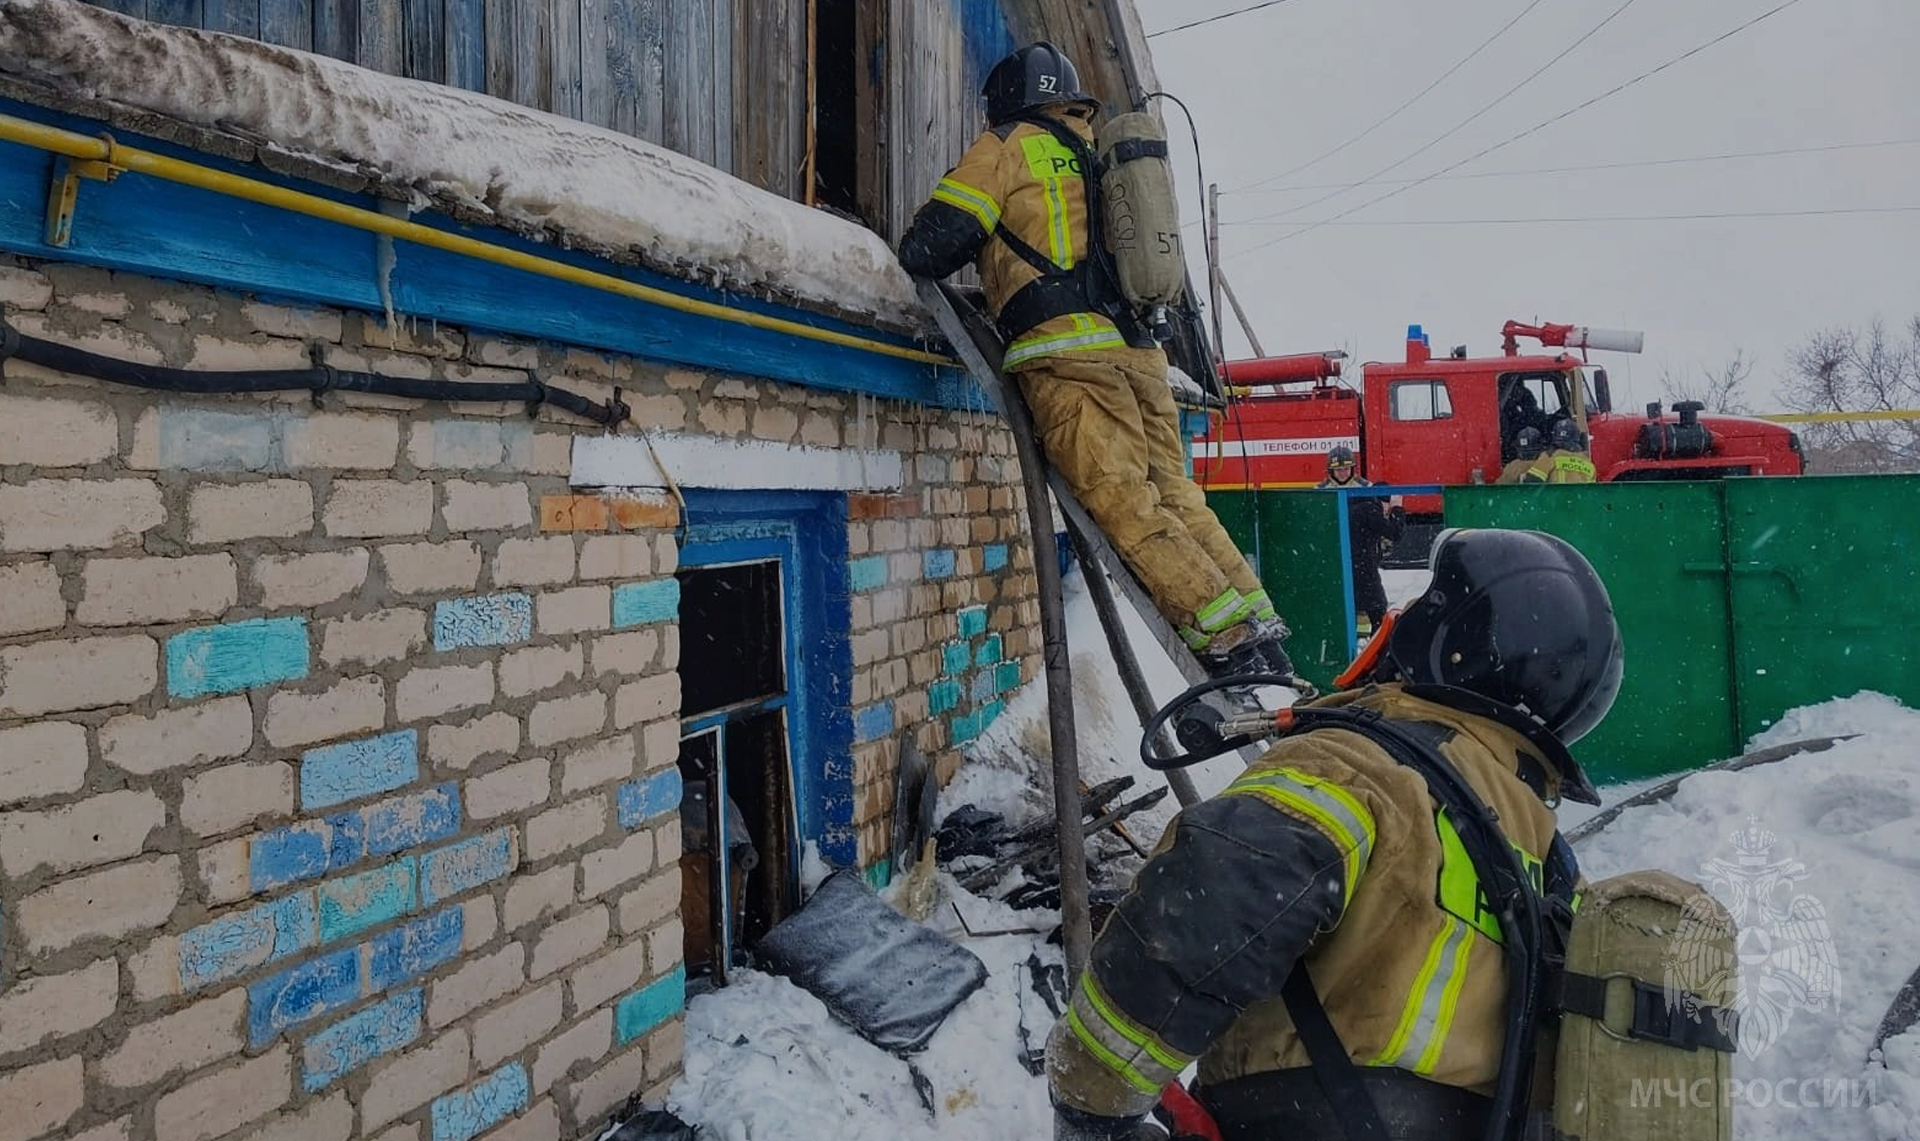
<point>1620,1018</point>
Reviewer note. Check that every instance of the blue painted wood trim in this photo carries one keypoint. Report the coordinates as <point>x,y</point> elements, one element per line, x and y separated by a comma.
<point>166,230</point>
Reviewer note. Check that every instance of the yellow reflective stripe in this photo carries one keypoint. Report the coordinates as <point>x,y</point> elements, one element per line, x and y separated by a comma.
<point>1221,613</point>
<point>1107,1057</point>
<point>1059,233</point>
<point>1330,808</point>
<point>975,202</point>
<point>1046,346</point>
<point>1428,1015</point>
<point>1126,1029</point>
<point>1194,639</point>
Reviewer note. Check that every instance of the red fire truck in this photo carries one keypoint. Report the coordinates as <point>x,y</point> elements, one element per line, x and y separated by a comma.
<point>1455,420</point>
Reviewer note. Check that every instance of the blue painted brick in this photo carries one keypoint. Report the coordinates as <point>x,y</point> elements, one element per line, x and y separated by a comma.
<point>954,658</point>
<point>980,689</point>
<point>1006,677</point>
<point>481,445</point>
<point>414,948</point>
<point>465,1114</point>
<point>873,722</point>
<point>639,603</point>
<point>991,714</point>
<point>939,564</point>
<point>237,656</point>
<point>994,557</point>
<point>649,1006</point>
<point>316,987</point>
<point>869,573</point>
<point>306,851</point>
<point>410,821</point>
<point>356,769</point>
<point>352,904</point>
<point>457,868</point>
<point>943,696</point>
<point>235,944</point>
<point>656,795</point>
<point>973,621</point>
<point>357,1039</point>
<point>966,727</point>
<point>989,651</point>
<point>488,620</point>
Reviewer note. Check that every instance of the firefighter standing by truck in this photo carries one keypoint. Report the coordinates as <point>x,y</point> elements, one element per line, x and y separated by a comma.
<point>1373,527</point>
<point>1328,852</point>
<point>1021,203</point>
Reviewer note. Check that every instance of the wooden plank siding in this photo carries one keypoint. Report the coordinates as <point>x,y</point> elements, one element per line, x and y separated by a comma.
<point>724,81</point>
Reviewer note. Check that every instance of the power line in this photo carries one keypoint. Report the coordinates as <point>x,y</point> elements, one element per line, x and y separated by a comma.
<point>1395,113</point>
<point>1584,167</point>
<point>1496,101</point>
<point>1509,141</point>
<point>1215,19</point>
<point>1700,217</point>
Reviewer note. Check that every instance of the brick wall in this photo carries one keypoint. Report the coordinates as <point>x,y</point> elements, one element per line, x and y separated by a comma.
<point>337,785</point>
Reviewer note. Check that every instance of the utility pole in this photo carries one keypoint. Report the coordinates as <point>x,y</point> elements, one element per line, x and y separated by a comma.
<point>1215,280</point>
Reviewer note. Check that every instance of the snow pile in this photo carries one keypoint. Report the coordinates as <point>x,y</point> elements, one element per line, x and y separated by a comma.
<point>536,173</point>
<point>766,1061</point>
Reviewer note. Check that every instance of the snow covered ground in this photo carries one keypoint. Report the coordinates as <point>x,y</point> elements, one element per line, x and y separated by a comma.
<point>1838,832</point>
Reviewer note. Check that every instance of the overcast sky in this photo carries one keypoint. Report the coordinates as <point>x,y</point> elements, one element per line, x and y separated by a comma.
<point>1274,88</point>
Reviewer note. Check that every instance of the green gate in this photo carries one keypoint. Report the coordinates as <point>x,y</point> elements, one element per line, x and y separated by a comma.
<point>1292,538</point>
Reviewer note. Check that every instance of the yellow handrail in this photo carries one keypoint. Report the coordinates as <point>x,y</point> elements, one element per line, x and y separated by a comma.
<point>104,149</point>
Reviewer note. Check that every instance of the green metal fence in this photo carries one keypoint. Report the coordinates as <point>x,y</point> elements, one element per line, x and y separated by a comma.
<point>1737,599</point>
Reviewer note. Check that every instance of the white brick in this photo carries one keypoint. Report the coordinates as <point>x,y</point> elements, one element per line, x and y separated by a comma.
<point>186,1040</point>
<point>539,668</point>
<point>298,324</point>
<point>225,1100</point>
<point>41,1008</point>
<point>611,975</point>
<point>357,705</point>
<point>651,902</point>
<point>56,433</point>
<point>433,691</point>
<point>608,1087</point>
<point>328,1120</point>
<point>84,673</point>
<point>222,354</point>
<point>565,943</point>
<point>567,718</point>
<point>41,1098</point>
<point>534,562</point>
<point>566,827</point>
<point>458,746</point>
<point>505,354</point>
<point>112,903</point>
<point>22,288</point>
<point>42,758</point>
<point>224,799</point>
<point>223,870</point>
<point>632,653</point>
<point>666,1050</point>
<point>531,897</point>
<point>541,1123</point>
<point>219,513</point>
<point>647,700</point>
<point>502,1033</point>
<point>155,970</point>
<point>609,868</point>
<point>512,789</point>
<point>486,506</point>
<point>78,514</point>
<point>666,946</point>
<point>367,508</point>
<point>621,557</point>
<point>30,599</point>
<point>289,582</point>
<point>344,442</point>
<point>431,568</point>
<point>375,639</point>
<point>576,611</point>
<point>600,763</point>
<point>480,982</point>
<point>411,1080</point>
<point>145,592</point>
<point>660,744</point>
<point>97,830</point>
<point>176,738</point>
<point>481,922</point>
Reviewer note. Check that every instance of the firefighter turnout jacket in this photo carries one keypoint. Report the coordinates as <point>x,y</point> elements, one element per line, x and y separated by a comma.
<point>1325,849</point>
<point>1018,183</point>
<point>1551,466</point>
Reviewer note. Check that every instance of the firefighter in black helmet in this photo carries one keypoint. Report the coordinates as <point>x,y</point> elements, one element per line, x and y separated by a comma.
<point>1330,853</point>
<point>1373,526</point>
<point>1019,203</point>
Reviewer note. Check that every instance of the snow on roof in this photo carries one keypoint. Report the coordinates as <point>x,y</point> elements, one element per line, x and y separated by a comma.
<point>484,159</point>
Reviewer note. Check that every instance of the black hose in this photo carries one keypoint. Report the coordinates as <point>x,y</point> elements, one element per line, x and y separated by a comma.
<point>319,379</point>
<point>1198,750</point>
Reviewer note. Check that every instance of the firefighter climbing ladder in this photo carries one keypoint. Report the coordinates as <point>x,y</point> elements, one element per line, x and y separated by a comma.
<point>978,346</point>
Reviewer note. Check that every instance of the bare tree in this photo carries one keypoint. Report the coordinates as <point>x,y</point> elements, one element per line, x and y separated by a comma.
<point>1720,390</point>
<point>1850,370</point>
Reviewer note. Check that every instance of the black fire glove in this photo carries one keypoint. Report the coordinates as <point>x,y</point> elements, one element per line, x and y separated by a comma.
<point>1070,1124</point>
